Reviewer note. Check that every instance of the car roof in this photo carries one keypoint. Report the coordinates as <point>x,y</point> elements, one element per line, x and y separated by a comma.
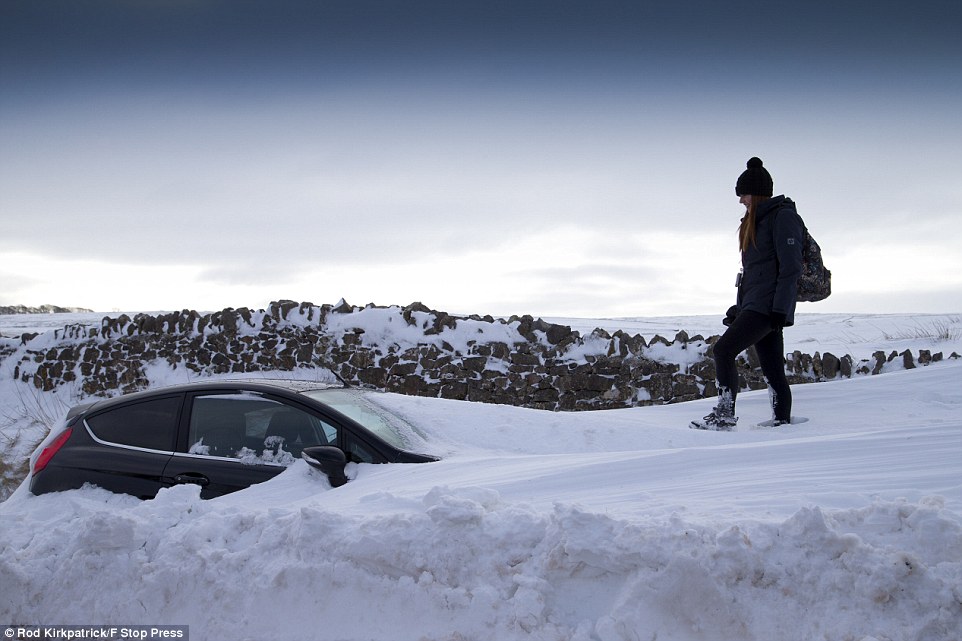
<point>267,385</point>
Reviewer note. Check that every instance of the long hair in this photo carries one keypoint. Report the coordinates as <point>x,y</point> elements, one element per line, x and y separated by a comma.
<point>746,231</point>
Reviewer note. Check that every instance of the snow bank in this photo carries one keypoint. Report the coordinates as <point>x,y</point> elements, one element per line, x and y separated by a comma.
<point>463,563</point>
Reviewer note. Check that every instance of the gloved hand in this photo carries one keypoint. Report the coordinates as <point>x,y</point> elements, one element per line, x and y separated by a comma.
<point>778,320</point>
<point>730,316</point>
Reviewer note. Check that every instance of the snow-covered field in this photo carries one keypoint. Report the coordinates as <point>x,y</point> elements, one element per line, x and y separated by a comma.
<point>601,526</point>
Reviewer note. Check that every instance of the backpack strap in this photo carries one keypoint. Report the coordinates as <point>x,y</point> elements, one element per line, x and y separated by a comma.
<point>788,202</point>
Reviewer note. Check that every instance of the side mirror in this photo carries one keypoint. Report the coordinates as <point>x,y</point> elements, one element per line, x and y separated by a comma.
<point>329,460</point>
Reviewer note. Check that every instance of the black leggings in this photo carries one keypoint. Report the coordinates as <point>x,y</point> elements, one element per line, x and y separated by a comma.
<point>753,328</point>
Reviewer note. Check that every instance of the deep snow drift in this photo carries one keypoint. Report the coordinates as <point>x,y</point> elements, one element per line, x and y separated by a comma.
<point>600,526</point>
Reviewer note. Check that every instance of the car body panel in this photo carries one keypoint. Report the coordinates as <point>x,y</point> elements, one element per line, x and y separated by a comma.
<point>215,475</point>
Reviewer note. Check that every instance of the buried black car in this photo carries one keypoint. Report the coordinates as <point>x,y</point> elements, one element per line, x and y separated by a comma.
<point>223,436</point>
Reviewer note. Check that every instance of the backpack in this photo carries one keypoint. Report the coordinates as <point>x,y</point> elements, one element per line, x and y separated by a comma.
<point>815,282</point>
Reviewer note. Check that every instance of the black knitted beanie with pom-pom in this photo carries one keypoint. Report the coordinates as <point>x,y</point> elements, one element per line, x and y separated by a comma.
<point>755,181</point>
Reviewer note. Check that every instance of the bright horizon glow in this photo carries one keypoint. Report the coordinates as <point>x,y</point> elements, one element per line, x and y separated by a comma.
<point>475,283</point>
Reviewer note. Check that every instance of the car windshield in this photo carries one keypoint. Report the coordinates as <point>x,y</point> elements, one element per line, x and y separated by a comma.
<point>357,405</point>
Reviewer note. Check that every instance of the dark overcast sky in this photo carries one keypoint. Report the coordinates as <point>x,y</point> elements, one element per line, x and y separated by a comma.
<point>191,41</point>
<point>415,125</point>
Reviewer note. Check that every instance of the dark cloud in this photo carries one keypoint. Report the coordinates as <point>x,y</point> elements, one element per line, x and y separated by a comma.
<point>304,41</point>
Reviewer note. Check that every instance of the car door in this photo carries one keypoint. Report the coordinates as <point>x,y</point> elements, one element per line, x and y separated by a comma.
<point>232,439</point>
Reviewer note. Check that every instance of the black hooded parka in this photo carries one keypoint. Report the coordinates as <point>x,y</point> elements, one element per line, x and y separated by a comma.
<point>771,267</point>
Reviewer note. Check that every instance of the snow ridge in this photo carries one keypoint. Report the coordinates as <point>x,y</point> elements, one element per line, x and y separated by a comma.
<point>463,560</point>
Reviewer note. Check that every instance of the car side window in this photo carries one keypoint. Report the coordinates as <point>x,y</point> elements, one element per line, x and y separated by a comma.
<point>148,424</point>
<point>253,428</point>
<point>359,453</point>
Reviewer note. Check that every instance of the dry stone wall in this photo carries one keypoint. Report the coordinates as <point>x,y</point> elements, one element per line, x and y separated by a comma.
<point>412,350</point>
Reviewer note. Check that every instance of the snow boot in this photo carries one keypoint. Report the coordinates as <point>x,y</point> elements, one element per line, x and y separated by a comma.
<point>715,422</point>
<point>776,406</point>
<point>722,418</point>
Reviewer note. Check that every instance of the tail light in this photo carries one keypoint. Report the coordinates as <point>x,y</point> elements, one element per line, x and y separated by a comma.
<point>47,453</point>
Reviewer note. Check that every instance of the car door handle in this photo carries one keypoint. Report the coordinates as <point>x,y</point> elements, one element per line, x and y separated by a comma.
<point>195,479</point>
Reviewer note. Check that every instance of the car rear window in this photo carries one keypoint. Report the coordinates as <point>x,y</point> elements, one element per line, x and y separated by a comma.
<point>147,424</point>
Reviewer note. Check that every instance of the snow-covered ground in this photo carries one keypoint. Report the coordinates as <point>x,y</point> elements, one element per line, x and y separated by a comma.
<point>595,526</point>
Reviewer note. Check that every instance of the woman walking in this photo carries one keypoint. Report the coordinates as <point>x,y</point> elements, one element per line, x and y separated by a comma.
<point>770,238</point>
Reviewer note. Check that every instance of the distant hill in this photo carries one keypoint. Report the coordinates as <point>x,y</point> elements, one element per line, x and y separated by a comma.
<point>43,309</point>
